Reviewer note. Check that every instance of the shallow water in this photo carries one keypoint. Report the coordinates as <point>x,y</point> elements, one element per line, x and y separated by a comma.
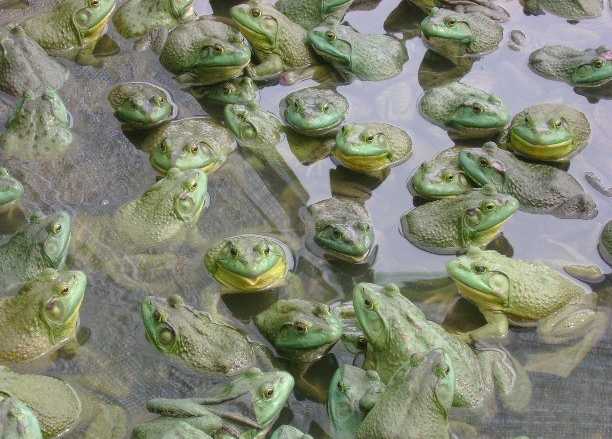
<point>104,170</point>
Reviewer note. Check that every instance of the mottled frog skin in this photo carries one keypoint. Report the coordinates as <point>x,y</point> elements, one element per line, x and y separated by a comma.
<point>570,9</point>
<point>489,8</point>
<point>253,127</point>
<point>134,18</point>
<point>605,243</point>
<point>441,177</point>
<point>311,13</point>
<point>289,432</point>
<point>141,105</point>
<point>17,420</point>
<point>234,91</point>
<point>11,212</point>
<point>314,111</point>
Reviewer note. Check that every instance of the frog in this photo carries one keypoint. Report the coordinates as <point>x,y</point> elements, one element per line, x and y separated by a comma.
<point>569,9</point>
<point>12,215</point>
<point>72,28</point>
<point>25,66</point>
<point>465,112</point>
<point>192,143</point>
<point>588,68</point>
<point>241,90</point>
<point>205,51</point>
<point>539,188</point>
<point>310,13</point>
<point>244,408</point>
<point>489,8</point>
<point>254,128</point>
<point>141,105</point>
<point>367,57</point>
<point>526,294</point>
<point>441,177</point>
<point>314,111</point>
<point>548,132</point>
<point>17,420</point>
<point>41,243</point>
<point>396,329</point>
<point>605,243</point>
<point>289,432</point>
<point>43,316</point>
<point>416,402</point>
<point>39,127</point>
<point>353,392</point>
<point>453,224</point>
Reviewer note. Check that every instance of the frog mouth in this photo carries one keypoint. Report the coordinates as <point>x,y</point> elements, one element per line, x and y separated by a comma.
<point>363,162</point>
<point>541,151</point>
<point>264,281</point>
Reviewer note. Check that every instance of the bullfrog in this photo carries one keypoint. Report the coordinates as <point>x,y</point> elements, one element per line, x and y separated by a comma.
<point>457,35</point>
<point>441,177</point>
<point>570,9</point>
<point>311,13</point>
<point>53,401</point>
<point>453,224</point>
<point>368,57</point>
<point>289,432</point>
<point>41,243</point>
<point>17,420</point>
<point>489,8</point>
<point>314,111</point>
<point>353,392</point>
<point>539,188</point>
<point>72,28</point>
<point>240,90</point>
<point>279,44</point>
<point>549,132</point>
<point>141,105</point>
<point>396,329</point>
<point>465,112</point>
<point>605,243</point>
<point>416,402</point>
<point>253,127</point>
<point>38,128</point>
<point>11,212</point>
<point>192,143</point>
<point>371,148</point>
<point>25,66</point>
<point>579,68</point>
<point>245,408</point>
<point>43,316</point>
<point>205,51</point>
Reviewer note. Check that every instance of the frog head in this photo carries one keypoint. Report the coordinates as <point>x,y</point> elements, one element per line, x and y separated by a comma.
<point>260,23</point>
<point>333,42</point>
<point>431,376</point>
<point>11,190</point>
<point>89,17</point>
<point>18,420</point>
<point>594,70</point>
<point>484,166</point>
<point>314,111</point>
<point>447,25</point>
<point>430,181</point>
<point>51,235</point>
<point>479,113</point>
<point>141,105</point>
<point>363,147</point>
<point>235,91</point>
<point>253,126</point>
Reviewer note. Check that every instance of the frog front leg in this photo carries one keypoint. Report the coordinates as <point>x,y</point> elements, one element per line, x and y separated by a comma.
<point>269,68</point>
<point>496,328</point>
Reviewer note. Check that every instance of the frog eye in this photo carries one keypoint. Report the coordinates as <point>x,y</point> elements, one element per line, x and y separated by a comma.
<point>94,3</point>
<point>233,251</point>
<point>267,392</point>
<point>598,63</point>
<point>364,227</point>
<point>218,49</point>
<point>369,138</point>
<point>325,107</point>
<point>450,21</point>
<point>157,316</point>
<point>368,303</point>
<point>336,234</point>
<point>448,177</point>
<point>256,12</point>
<point>557,123</point>
<point>342,387</point>
<point>166,336</point>
<point>56,228</point>
<point>483,163</point>
<point>158,100</point>
<point>331,36</point>
<point>362,341</point>
<point>263,249</point>
<point>193,148</point>
<point>191,185</point>
<point>301,327</point>
<point>479,268</point>
<point>442,371</point>
<point>228,89</point>
<point>163,147</point>
<point>54,309</point>
<point>64,290</point>
<point>489,206</point>
<point>477,108</point>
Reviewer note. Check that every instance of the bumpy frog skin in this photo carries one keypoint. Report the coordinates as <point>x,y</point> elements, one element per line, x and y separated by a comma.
<point>464,111</point>
<point>279,43</point>
<point>11,190</point>
<point>245,408</point>
<point>289,432</point>
<point>538,188</point>
<point>311,13</point>
<point>41,243</point>
<point>72,28</point>
<point>396,329</point>
<point>25,66</point>
<point>605,243</point>
<point>416,402</point>
<point>549,132</point>
<point>141,105</point>
<point>314,111</point>
<point>248,263</point>
<point>579,68</point>
<point>38,128</point>
<point>570,9</point>
<point>134,18</point>
<point>456,35</point>
<point>371,148</point>
<point>352,394</point>
<point>193,143</point>
<point>452,224</point>
<point>253,127</point>
<point>235,91</point>
<point>368,57</point>
<point>343,229</point>
<point>43,316</point>
<point>299,330</point>
<point>195,337</point>
<point>488,8</point>
<point>441,177</point>
<point>205,51</point>
<point>17,420</point>
<point>54,402</point>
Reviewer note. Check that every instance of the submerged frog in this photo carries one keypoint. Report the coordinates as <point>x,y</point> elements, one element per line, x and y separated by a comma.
<point>368,57</point>
<point>314,111</point>
<point>311,13</point>
<point>72,28</point>
<point>289,432</point>
<point>453,224</point>
<point>11,212</point>
<point>192,143</point>
<point>135,18</point>
<point>43,316</point>
<point>489,8</point>
<point>141,105</point>
<point>605,243</point>
<point>570,9</point>
<point>549,132</point>
<point>17,420</point>
<point>416,402</point>
<point>254,128</point>
<point>205,51</point>
<point>40,244</point>
<point>538,188</point>
<point>441,177</point>
<point>234,91</point>
<point>245,408</point>
<point>38,128</point>
<point>25,66</point>
<point>396,329</point>
<point>464,111</point>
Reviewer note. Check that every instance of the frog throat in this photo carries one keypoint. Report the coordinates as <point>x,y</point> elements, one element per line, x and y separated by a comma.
<point>479,239</point>
<point>488,301</point>
<point>252,284</point>
<point>93,33</point>
<point>364,163</point>
<point>61,332</point>
<point>541,152</point>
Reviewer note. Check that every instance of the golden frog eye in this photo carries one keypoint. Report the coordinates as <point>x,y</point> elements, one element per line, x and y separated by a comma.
<point>484,163</point>
<point>158,100</point>
<point>218,48</point>
<point>556,123</point>
<point>268,392</point>
<point>450,21</point>
<point>598,63</point>
<point>331,36</point>
<point>489,206</point>
<point>370,138</point>
<point>477,108</point>
<point>192,185</point>
<point>256,12</point>
<point>56,228</point>
<point>228,89</point>
<point>64,291</point>
<point>479,268</point>
<point>325,108</point>
<point>193,148</point>
<point>301,327</point>
<point>94,3</point>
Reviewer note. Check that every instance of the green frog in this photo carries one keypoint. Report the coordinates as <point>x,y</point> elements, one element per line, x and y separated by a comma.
<point>453,224</point>
<point>605,243</point>
<point>289,432</point>
<point>441,177</point>
<point>240,90</point>
<point>17,420</point>
<point>72,28</point>
<point>569,9</point>
<point>539,188</point>
<point>311,13</point>
<point>11,212</point>
<point>43,316</point>
<point>465,112</point>
<point>135,18</point>
<point>489,8</point>
<point>314,111</point>
<point>254,128</point>
<point>141,105</point>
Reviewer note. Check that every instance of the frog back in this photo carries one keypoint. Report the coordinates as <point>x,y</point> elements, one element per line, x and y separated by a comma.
<point>292,47</point>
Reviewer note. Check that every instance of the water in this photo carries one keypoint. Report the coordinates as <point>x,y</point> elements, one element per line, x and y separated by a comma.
<point>104,170</point>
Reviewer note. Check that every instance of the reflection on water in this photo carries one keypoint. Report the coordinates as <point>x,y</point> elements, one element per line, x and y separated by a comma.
<point>105,170</point>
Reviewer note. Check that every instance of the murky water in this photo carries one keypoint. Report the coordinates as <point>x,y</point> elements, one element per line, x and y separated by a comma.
<point>104,170</point>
